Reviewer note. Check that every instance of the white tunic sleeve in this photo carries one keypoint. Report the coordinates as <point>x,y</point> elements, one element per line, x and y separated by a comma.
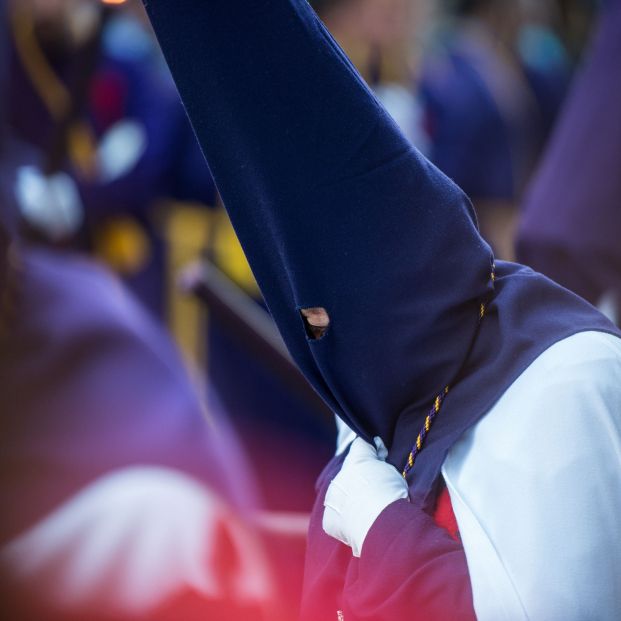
<point>536,489</point>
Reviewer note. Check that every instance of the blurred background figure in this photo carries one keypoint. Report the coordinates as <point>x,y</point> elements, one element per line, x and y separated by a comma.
<point>96,172</point>
<point>492,83</point>
<point>382,38</point>
<point>120,496</point>
<point>122,500</point>
<point>469,76</point>
<point>571,223</point>
<point>104,137</point>
<point>125,497</point>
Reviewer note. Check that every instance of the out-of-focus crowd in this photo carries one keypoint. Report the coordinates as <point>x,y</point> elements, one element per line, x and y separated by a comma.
<point>144,483</point>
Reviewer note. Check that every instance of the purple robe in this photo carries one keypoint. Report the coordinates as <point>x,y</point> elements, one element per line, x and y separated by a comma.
<point>89,383</point>
<point>91,386</point>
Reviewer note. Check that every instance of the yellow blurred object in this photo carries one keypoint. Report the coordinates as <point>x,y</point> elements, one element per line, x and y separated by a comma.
<point>390,64</point>
<point>186,229</point>
<point>229,256</point>
<point>83,149</point>
<point>191,230</point>
<point>123,244</point>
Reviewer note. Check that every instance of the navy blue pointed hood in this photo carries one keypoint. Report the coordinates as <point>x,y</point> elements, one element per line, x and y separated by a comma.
<point>335,209</point>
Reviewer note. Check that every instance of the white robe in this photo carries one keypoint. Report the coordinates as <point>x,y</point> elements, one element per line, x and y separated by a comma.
<point>536,489</point>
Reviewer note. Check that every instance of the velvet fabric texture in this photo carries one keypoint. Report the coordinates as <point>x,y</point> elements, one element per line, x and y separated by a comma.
<point>334,208</point>
<point>360,229</point>
<point>572,218</point>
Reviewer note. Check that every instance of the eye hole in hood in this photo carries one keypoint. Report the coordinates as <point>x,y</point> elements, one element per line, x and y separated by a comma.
<point>316,321</point>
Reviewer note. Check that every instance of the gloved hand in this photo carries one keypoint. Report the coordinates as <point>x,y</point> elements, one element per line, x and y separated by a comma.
<point>363,488</point>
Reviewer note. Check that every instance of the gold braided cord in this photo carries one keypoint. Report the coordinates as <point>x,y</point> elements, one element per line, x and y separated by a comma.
<point>437,403</point>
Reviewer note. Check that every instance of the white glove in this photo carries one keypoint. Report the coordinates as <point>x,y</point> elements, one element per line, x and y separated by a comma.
<point>363,488</point>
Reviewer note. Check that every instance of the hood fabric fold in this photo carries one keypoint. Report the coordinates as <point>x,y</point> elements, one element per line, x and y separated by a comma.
<point>335,209</point>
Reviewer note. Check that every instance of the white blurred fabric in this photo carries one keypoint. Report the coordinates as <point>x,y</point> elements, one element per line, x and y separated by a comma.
<point>131,540</point>
<point>52,205</point>
<point>608,305</point>
<point>120,150</point>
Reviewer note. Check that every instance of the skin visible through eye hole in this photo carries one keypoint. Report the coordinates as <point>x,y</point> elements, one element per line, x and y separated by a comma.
<point>317,321</point>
